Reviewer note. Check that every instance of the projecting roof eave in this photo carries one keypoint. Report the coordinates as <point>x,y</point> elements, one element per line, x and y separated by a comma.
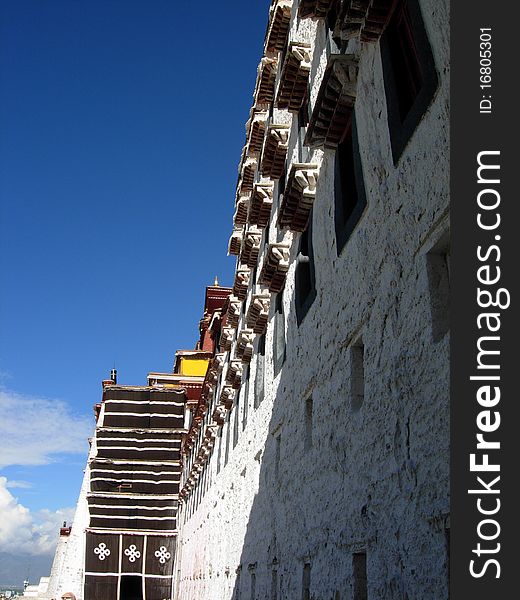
<point>140,388</point>
<point>335,102</point>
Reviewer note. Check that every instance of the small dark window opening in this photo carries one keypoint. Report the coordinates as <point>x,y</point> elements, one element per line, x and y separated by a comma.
<point>438,270</point>
<point>447,541</point>
<point>253,585</point>
<point>274,584</point>
<point>332,19</point>
<point>278,445</point>
<point>409,73</point>
<point>281,192</point>
<point>349,187</point>
<point>303,114</point>
<point>359,567</point>
<point>228,432</point>
<point>237,417</point>
<point>308,423</point>
<point>237,583</point>
<point>281,185</point>
<point>131,587</point>
<point>246,399</point>
<point>306,582</point>
<point>279,334</point>
<point>305,282</point>
<point>219,455</point>
<point>260,372</point>
<point>332,15</point>
<point>303,121</point>
<point>357,375</point>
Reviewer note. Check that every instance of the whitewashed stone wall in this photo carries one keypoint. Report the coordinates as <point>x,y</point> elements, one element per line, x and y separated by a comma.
<point>374,479</point>
<point>68,565</point>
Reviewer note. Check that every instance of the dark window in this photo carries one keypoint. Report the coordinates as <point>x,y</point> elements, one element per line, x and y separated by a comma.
<point>237,583</point>
<point>279,334</point>
<point>246,399</point>
<point>438,270</point>
<point>281,185</point>
<point>308,423</point>
<point>357,375</point>
<point>303,113</point>
<point>349,187</point>
<point>281,191</point>
<point>333,34</point>
<point>303,121</point>
<point>253,586</point>
<point>409,73</point>
<point>306,582</point>
<point>236,423</point>
<point>274,584</point>
<point>305,282</point>
<point>278,445</point>
<point>359,567</point>
<point>332,15</point>
<point>260,371</point>
<point>447,540</point>
<point>219,455</point>
<point>228,432</point>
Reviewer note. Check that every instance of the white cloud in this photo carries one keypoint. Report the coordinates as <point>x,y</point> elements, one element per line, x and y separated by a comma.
<point>24,532</point>
<point>23,485</point>
<point>34,430</point>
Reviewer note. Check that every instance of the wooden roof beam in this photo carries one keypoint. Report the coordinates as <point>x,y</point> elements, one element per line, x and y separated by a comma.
<point>292,90</point>
<point>275,267</point>
<point>335,102</point>
<point>298,198</point>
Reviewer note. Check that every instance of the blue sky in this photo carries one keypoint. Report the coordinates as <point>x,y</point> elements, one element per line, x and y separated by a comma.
<point>122,125</point>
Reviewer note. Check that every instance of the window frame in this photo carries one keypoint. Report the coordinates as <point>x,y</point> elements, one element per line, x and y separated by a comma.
<point>344,227</point>
<point>402,129</point>
<point>304,302</point>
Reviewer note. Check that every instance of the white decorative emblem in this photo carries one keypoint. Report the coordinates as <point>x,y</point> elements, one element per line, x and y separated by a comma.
<point>162,554</point>
<point>132,552</point>
<point>102,551</point>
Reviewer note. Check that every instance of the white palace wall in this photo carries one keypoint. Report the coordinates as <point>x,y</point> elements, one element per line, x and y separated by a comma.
<point>295,488</point>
